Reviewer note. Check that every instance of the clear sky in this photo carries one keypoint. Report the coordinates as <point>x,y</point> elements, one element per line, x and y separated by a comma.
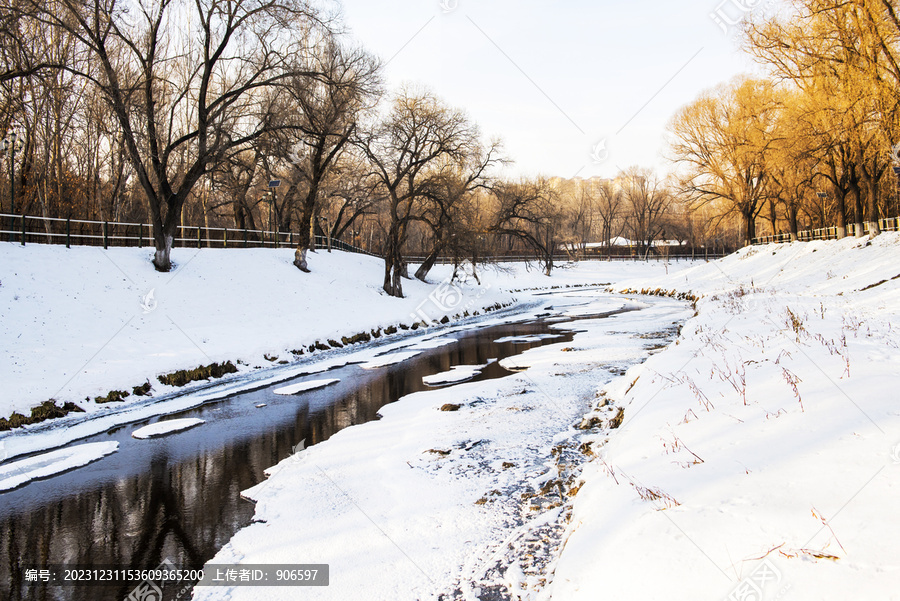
<point>572,87</point>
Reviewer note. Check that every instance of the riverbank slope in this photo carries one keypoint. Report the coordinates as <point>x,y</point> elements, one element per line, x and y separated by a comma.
<point>761,453</point>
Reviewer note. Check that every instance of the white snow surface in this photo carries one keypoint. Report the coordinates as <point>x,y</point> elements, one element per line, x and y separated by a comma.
<point>304,386</point>
<point>17,473</point>
<point>759,453</point>
<point>80,322</point>
<point>457,373</point>
<point>390,359</point>
<point>527,339</point>
<point>170,426</point>
<point>425,501</point>
<point>774,426</point>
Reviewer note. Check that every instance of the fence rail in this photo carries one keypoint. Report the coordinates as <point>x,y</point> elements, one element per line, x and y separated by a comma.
<point>80,232</point>
<point>891,224</point>
<point>30,229</point>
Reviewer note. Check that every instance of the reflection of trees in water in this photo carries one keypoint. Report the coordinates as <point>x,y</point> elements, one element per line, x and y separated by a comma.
<point>186,511</point>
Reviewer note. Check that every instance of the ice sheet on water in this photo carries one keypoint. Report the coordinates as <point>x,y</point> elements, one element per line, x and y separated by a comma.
<point>21,472</point>
<point>164,427</point>
<point>390,359</point>
<point>305,386</point>
<point>457,373</point>
<point>527,339</point>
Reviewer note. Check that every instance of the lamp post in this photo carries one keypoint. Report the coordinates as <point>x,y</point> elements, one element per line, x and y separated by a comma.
<point>273,214</point>
<point>897,187</point>
<point>9,145</point>
<point>823,196</point>
<point>325,228</point>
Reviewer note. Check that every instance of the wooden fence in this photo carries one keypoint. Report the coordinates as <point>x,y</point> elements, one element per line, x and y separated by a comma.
<point>29,229</point>
<point>891,224</point>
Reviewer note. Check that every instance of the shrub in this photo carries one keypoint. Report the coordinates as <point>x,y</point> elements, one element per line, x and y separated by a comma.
<point>114,396</point>
<point>205,372</point>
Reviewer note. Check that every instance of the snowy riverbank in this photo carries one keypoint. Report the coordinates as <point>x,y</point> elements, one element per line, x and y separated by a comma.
<point>757,455</point>
<point>81,322</point>
<point>761,454</point>
<point>459,490</point>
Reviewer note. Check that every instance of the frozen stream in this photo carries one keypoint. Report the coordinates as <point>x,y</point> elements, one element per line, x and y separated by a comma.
<point>178,496</point>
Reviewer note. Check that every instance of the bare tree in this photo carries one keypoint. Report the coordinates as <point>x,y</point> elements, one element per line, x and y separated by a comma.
<point>648,200</point>
<point>529,211</point>
<point>185,81</point>
<point>721,141</point>
<point>325,115</point>
<point>444,208</point>
<point>609,205</point>
<point>417,139</point>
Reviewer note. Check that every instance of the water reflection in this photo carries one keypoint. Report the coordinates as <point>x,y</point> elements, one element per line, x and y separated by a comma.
<point>178,497</point>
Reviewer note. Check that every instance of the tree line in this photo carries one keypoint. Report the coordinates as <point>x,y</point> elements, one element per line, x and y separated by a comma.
<point>814,143</point>
<point>174,112</point>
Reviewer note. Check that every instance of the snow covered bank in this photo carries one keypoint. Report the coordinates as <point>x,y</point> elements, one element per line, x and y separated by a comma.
<point>80,322</point>
<point>454,490</point>
<point>761,454</point>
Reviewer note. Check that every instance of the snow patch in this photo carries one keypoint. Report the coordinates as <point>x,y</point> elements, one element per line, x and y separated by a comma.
<point>457,373</point>
<point>169,426</point>
<point>305,386</point>
<point>21,472</point>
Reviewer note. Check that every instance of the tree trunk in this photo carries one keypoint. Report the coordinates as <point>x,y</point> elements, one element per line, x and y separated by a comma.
<point>162,259</point>
<point>164,229</point>
<point>304,235</point>
<point>428,263</point>
<point>841,213</point>
<point>855,194</point>
<point>872,207</point>
<point>300,260</point>
<point>393,264</point>
<point>749,228</point>
<point>792,210</point>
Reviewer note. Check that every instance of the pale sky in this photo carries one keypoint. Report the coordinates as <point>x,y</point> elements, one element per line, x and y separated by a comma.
<point>556,79</point>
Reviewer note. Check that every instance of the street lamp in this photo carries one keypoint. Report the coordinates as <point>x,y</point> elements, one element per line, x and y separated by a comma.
<point>823,196</point>
<point>10,145</point>
<point>325,228</point>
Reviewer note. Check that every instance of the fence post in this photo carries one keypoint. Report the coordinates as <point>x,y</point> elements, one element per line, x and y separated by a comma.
<point>105,235</point>
<point>199,236</point>
<point>225,238</point>
<point>245,237</point>
<point>291,238</point>
<point>68,230</point>
<point>23,229</point>
<point>140,235</point>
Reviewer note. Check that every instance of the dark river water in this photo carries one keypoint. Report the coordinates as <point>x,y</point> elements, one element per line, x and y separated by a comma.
<point>178,497</point>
